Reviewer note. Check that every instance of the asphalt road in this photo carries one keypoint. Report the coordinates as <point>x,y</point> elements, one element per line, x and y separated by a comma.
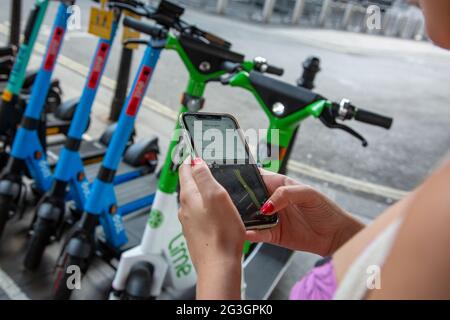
<point>412,87</point>
<point>403,79</point>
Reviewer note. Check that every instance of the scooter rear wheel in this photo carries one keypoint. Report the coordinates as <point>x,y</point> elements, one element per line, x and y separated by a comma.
<point>61,290</point>
<point>43,230</point>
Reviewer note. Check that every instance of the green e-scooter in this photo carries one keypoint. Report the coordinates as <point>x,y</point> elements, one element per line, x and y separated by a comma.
<point>161,264</point>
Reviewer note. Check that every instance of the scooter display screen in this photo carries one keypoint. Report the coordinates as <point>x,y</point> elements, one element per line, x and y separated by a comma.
<point>217,140</point>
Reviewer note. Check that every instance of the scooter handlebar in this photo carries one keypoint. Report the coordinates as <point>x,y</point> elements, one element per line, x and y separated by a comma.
<point>274,70</point>
<point>136,7</point>
<point>149,29</point>
<point>373,118</point>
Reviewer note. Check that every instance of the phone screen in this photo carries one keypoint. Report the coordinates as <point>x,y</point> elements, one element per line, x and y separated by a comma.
<point>218,141</point>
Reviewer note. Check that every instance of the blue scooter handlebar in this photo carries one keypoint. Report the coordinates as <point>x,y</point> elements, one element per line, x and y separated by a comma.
<point>154,31</point>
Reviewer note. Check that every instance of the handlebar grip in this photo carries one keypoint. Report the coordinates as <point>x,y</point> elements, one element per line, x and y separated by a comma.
<point>373,118</point>
<point>151,30</point>
<point>274,70</point>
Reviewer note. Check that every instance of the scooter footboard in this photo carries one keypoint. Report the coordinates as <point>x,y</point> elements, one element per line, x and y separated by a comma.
<point>264,268</point>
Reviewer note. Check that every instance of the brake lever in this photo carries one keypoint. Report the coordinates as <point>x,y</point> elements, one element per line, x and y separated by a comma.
<point>140,9</point>
<point>329,120</point>
<point>134,41</point>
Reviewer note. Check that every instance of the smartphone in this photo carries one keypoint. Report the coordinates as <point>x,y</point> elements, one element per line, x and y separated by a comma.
<point>219,141</point>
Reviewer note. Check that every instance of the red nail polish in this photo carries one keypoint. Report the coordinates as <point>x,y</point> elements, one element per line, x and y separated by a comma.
<point>196,161</point>
<point>267,207</point>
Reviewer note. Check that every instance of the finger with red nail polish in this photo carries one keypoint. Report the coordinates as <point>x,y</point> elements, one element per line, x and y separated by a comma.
<point>196,161</point>
<point>267,208</point>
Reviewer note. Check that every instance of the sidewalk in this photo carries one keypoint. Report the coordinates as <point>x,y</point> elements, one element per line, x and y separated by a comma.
<point>359,43</point>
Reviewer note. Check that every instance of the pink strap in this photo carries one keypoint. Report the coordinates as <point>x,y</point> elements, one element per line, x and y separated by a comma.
<point>318,284</point>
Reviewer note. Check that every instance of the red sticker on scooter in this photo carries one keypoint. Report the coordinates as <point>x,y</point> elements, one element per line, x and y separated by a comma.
<point>53,48</point>
<point>139,91</point>
<point>97,68</point>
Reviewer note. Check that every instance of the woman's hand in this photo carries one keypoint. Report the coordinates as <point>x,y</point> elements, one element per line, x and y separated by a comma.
<point>308,220</point>
<point>214,232</point>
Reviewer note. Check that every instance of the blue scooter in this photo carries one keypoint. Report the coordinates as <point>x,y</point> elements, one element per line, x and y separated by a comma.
<point>27,151</point>
<point>101,205</point>
<point>70,180</point>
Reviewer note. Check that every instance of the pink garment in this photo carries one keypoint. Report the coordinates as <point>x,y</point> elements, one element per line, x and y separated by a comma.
<point>318,284</point>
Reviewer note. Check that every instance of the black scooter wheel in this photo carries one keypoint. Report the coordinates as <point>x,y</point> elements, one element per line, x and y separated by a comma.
<point>53,98</point>
<point>139,282</point>
<point>61,290</point>
<point>5,209</point>
<point>42,233</point>
<point>4,156</point>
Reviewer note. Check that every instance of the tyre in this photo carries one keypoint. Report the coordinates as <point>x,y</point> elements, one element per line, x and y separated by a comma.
<point>139,282</point>
<point>3,159</point>
<point>43,231</point>
<point>53,98</point>
<point>5,209</point>
<point>61,290</point>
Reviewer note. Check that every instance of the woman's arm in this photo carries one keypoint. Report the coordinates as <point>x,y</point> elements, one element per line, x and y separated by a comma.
<point>220,280</point>
<point>418,266</point>
<point>213,230</point>
<point>349,251</point>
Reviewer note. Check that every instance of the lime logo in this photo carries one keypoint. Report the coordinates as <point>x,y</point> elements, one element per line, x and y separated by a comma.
<point>180,256</point>
<point>155,219</point>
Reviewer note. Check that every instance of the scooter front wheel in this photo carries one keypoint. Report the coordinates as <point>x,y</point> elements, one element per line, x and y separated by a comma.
<point>42,233</point>
<point>62,289</point>
<point>139,282</point>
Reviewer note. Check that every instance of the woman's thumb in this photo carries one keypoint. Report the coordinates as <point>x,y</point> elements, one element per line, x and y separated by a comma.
<point>255,236</point>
